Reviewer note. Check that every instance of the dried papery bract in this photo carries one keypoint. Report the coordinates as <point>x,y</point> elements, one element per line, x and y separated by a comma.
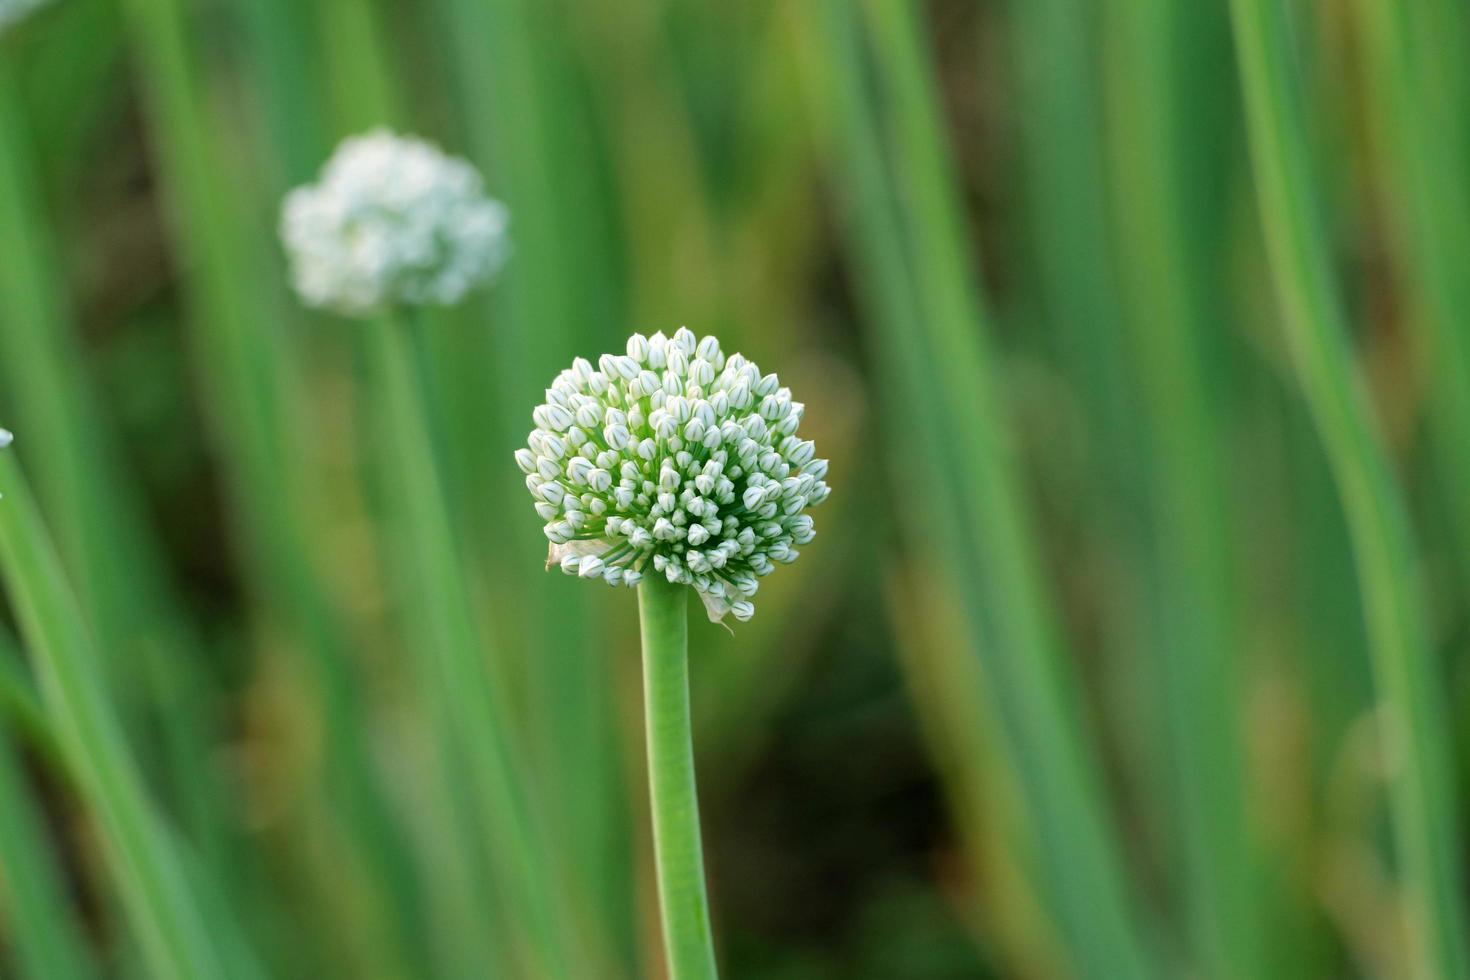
<point>393,222</point>
<point>673,459</point>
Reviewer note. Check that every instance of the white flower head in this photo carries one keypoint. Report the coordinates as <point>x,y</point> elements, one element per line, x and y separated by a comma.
<point>673,460</point>
<point>13,11</point>
<point>392,221</point>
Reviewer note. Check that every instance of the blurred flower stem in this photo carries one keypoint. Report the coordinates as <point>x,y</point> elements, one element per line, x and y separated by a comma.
<point>663,615</point>
<point>441,622</point>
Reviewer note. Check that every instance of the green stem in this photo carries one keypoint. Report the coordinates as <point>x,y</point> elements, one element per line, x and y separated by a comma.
<point>688,940</point>
<point>1422,798</point>
<point>443,624</point>
<point>49,941</point>
<point>21,711</point>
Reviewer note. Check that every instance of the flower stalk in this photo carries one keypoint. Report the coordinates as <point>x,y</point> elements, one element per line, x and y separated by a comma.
<point>683,905</point>
<point>392,226</point>
<point>442,623</point>
<point>667,467</point>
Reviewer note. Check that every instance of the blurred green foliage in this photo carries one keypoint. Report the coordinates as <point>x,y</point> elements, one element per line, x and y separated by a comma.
<point>1132,637</point>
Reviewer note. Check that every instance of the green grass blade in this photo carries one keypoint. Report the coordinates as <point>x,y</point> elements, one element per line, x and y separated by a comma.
<point>178,941</point>
<point>528,124</point>
<point>442,625</point>
<point>46,396</point>
<point>1078,317</point>
<point>1414,720</point>
<point>959,487</point>
<point>246,365</point>
<point>48,939</point>
<point>1176,320</point>
<point>1419,69</point>
<point>965,743</point>
<point>279,60</point>
<point>106,538</point>
<point>356,59</point>
<point>1055,61</point>
<point>20,708</point>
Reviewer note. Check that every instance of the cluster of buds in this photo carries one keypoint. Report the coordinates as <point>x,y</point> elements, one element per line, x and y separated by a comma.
<point>393,222</point>
<point>675,460</point>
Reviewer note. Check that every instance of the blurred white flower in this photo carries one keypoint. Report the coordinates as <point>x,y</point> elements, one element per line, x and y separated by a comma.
<point>677,461</point>
<point>11,11</point>
<point>392,221</point>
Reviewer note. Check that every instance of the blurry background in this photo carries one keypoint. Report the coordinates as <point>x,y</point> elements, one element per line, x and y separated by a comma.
<point>1075,676</point>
